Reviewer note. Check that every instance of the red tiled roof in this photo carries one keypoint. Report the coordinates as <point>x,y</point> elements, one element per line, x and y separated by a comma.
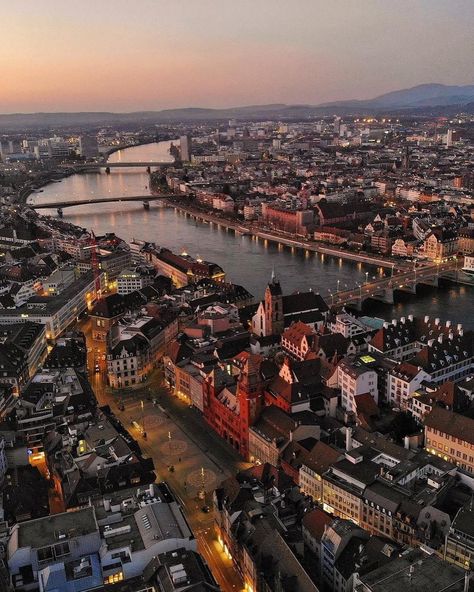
<point>445,394</point>
<point>296,331</point>
<point>366,405</point>
<point>316,521</point>
<point>321,457</point>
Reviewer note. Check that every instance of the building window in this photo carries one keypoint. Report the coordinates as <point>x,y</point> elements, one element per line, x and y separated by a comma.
<point>114,579</point>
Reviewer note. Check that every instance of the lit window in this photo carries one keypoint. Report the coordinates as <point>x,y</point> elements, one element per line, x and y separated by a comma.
<point>114,578</point>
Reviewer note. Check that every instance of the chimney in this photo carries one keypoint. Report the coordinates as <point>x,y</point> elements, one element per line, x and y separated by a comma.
<point>348,439</point>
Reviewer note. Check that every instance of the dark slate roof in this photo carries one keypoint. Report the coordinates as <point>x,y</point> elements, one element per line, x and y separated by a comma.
<point>132,346</point>
<point>451,423</point>
<point>303,302</point>
<point>109,307</point>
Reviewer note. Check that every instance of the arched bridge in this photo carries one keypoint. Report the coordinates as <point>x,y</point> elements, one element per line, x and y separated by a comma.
<point>405,281</point>
<point>118,165</point>
<point>60,205</point>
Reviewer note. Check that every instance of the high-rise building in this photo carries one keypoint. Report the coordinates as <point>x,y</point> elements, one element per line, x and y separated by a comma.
<point>58,148</point>
<point>449,138</point>
<point>9,147</point>
<point>185,146</point>
<point>88,146</point>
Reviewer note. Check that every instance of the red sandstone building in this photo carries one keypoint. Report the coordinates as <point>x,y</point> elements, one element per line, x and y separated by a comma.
<point>231,406</point>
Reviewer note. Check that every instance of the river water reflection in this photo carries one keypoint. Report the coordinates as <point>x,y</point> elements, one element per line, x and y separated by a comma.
<point>246,260</point>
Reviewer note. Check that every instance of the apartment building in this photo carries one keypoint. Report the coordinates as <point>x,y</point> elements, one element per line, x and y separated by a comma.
<point>313,467</point>
<point>443,351</point>
<point>108,543</point>
<point>269,435</point>
<point>438,245</point>
<point>450,436</point>
<point>130,280</point>
<point>459,546</point>
<point>347,325</point>
<point>23,349</point>
<point>345,482</point>
<point>402,382</point>
<point>58,312</point>
<point>357,376</point>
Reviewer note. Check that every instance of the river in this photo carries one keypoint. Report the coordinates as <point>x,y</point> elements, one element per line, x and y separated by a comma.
<point>246,260</point>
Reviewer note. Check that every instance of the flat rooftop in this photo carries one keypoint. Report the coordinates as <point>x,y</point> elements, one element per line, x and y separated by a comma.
<point>145,526</point>
<point>417,572</point>
<point>49,530</point>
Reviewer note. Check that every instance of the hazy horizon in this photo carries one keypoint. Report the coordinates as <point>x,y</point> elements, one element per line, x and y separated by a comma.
<point>151,55</point>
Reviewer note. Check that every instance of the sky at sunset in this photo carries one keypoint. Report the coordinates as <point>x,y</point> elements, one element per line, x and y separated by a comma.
<point>128,55</point>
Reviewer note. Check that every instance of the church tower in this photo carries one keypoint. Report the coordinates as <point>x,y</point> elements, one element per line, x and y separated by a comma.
<point>274,323</point>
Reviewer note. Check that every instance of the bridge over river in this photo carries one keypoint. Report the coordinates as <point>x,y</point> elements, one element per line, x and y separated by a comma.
<point>405,281</point>
<point>60,205</point>
<point>118,165</point>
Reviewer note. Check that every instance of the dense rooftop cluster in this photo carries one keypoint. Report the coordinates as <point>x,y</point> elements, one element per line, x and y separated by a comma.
<point>358,432</point>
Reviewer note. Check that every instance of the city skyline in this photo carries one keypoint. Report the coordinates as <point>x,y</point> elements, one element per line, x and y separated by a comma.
<point>236,296</point>
<point>156,55</point>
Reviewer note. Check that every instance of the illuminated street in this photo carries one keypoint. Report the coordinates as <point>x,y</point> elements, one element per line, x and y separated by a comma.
<point>177,437</point>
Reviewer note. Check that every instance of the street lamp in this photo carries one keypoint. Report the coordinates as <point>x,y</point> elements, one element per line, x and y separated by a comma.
<point>202,493</point>
<point>366,277</point>
<point>143,419</point>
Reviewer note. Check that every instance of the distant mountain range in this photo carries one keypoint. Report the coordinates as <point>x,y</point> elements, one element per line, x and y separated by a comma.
<point>436,99</point>
<point>423,95</point>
